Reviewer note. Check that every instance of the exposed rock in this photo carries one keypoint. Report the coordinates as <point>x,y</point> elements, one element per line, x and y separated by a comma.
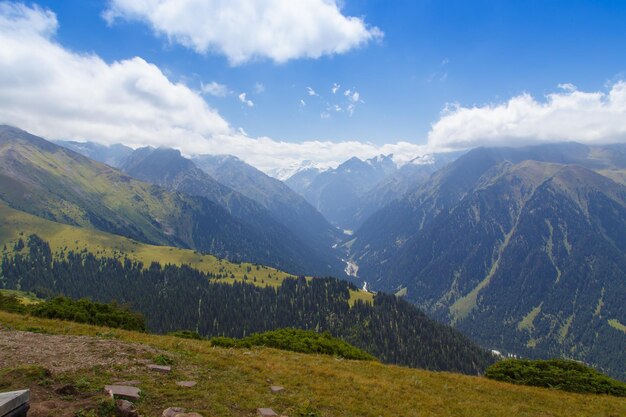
<point>123,391</point>
<point>266,412</point>
<point>12,400</point>
<point>178,412</point>
<point>160,368</point>
<point>126,409</point>
<point>276,389</point>
<point>172,411</point>
<point>186,384</point>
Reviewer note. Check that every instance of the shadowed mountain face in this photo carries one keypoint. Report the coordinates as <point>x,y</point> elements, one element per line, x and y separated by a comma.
<point>168,168</point>
<point>49,181</point>
<point>283,204</point>
<point>523,254</point>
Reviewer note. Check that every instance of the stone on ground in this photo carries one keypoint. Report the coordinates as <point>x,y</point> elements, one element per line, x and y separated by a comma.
<point>266,412</point>
<point>160,368</point>
<point>123,391</point>
<point>276,389</point>
<point>126,409</point>
<point>13,400</point>
<point>186,384</point>
<point>178,412</point>
<point>172,411</point>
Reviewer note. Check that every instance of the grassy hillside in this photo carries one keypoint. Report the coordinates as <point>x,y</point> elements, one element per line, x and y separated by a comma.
<point>55,183</point>
<point>236,382</point>
<point>15,224</point>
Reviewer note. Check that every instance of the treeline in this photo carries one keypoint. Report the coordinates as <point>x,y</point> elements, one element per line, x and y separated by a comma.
<point>81,311</point>
<point>181,298</point>
<point>297,340</point>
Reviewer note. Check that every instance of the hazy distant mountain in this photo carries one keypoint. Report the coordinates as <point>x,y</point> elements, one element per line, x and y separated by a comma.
<point>336,193</point>
<point>405,179</point>
<point>285,205</point>
<point>41,178</point>
<point>523,249</point>
<point>168,168</point>
<point>286,172</point>
<point>114,155</point>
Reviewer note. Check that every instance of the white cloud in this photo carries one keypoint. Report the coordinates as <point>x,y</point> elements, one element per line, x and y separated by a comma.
<point>567,115</point>
<point>59,94</point>
<point>335,88</point>
<point>324,115</point>
<point>259,88</point>
<point>243,30</point>
<point>51,91</point>
<point>268,154</point>
<point>353,96</point>
<point>302,103</point>
<point>215,89</point>
<point>244,100</point>
<point>311,92</point>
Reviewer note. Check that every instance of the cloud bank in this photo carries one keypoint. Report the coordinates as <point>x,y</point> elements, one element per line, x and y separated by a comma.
<point>567,115</point>
<point>243,30</point>
<point>59,94</point>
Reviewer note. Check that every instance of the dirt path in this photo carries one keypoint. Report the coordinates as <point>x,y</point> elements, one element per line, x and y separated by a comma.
<point>67,353</point>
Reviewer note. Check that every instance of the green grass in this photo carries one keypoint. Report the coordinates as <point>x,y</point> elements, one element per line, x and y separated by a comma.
<point>15,224</point>
<point>617,325</point>
<point>234,382</point>
<point>25,298</point>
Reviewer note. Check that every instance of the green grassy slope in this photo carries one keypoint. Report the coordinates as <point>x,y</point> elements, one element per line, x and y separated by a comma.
<point>236,382</point>
<point>15,224</point>
<point>55,183</point>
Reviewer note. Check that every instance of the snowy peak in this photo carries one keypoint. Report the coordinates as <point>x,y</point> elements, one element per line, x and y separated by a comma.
<point>290,170</point>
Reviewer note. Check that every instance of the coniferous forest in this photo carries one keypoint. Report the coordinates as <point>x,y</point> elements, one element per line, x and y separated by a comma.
<point>181,298</point>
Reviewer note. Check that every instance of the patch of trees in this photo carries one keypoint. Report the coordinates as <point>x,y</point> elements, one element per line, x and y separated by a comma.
<point>86,311</point>
<point>174,298</point>
<point>297,340</point>
<point>560,374</point>
<point>80,311</point>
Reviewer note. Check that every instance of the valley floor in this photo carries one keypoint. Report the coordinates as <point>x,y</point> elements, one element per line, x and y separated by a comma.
<point>234,382</point>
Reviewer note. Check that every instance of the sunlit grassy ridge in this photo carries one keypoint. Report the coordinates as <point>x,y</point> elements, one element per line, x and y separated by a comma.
<point>234,382</point>
<point>15,224</point>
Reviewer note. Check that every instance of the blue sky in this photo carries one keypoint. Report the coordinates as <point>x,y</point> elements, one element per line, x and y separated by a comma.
<point>478,54</point>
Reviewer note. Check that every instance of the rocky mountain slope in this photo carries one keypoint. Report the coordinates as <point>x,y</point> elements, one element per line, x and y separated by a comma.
<point>523,249</point>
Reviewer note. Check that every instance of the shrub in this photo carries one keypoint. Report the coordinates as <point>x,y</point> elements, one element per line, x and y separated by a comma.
<point>305,341</point>
<point>11,304</point>
<point>86,311</point>
<point>559,374</point>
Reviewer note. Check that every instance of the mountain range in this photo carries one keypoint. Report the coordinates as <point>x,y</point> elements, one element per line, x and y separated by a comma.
<point>523,249</point>
<point>349,194</point>
<point>41,178</point>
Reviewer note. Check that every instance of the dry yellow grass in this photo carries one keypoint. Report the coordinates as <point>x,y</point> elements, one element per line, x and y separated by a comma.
<point>234,382</point>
